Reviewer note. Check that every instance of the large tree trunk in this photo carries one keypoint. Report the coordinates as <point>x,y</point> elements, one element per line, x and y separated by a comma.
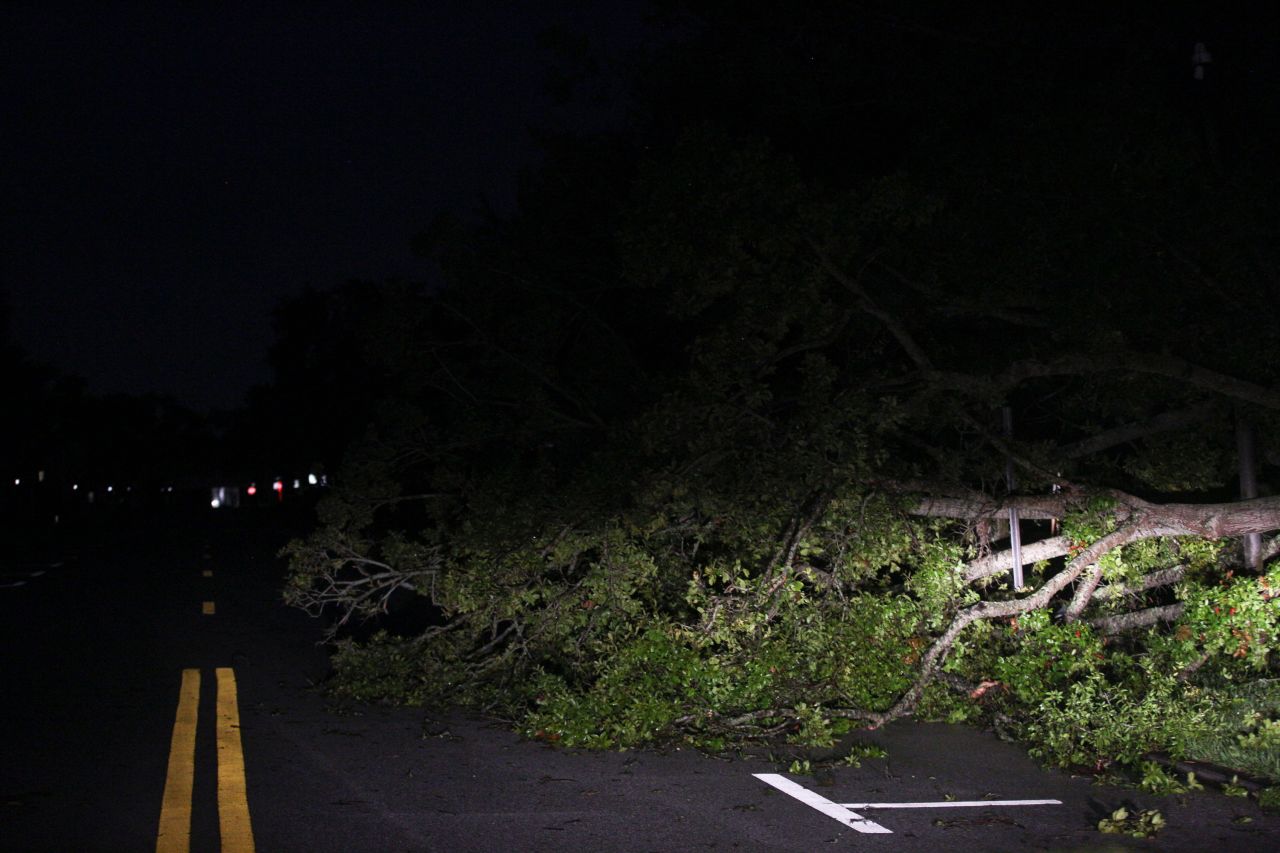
<point>1211,521</point>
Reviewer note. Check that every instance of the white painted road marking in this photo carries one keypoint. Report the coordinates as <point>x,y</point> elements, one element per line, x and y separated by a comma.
<point>844,813</point>
<point>952,804</point>
<point>817,801</point>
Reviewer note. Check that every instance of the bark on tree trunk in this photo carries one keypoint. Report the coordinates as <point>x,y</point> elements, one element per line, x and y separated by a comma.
<point>1137,619</point>
<point>1045,549</point>
<point>1211,521</point>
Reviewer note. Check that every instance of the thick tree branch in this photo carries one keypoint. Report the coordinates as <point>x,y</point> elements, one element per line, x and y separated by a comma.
<point>1155,364</point>
<point>899,332</point>
<point>1216,521</point>
<point>1035,507</point>
<point>1208,521</point>
<point>949,302</point>
<point>1009,449</point>
<point>1166,422</point>
<point>826,340</point>
<point>1270,548</point>
<point>994,564</point>
<point>1084,592</point>
<point>1136,619</point>
<point>997,609</point>
<point>1154,580</point>
<point>524,364</point>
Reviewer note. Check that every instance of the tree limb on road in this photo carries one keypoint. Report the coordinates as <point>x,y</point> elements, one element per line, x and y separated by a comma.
<point>1137,619</point>
<point>1045,549</point>
<point>1209,521</point>
<point>1137,520</point>
<point>1153,580</point>
<point>986,610</point>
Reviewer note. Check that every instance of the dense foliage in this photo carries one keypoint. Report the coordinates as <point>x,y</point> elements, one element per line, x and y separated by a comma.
<point>706,442</point>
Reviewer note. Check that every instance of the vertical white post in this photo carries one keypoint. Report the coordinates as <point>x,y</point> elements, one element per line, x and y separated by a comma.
<point>1015,532</point>
<point>1248,486</point>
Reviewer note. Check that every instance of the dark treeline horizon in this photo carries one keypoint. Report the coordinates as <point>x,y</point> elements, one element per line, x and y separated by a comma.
<point>931,97</point>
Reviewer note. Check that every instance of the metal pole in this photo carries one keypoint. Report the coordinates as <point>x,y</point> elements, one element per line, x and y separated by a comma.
<point>1015,532</point>
<point>1248,486</point>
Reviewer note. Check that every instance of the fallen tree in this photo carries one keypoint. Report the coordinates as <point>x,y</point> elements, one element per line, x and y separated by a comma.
<point>738,470</point>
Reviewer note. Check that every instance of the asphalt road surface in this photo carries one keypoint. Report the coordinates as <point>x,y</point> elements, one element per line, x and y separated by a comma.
<point>121,732</point>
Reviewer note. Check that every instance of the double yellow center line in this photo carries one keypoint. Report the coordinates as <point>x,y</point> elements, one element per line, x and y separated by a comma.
<point>174,835</point>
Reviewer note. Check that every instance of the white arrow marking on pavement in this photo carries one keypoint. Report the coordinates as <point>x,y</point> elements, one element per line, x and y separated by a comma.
<point>833,810</point>
<point>844,813</point>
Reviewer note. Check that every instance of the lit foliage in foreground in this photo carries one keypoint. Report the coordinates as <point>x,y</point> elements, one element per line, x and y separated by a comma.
<point>753,487</point>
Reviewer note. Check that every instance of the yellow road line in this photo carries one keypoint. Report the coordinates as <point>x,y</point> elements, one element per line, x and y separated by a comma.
<point>174,835</point>
<point>233,800</point>
<point>207,608</point>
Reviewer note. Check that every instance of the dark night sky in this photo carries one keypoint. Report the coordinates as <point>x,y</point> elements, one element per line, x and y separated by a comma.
<point>170,173</point>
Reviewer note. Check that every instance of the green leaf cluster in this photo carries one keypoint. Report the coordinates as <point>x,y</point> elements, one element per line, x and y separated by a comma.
<point>652,455</point>
<point>1145,823</point>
